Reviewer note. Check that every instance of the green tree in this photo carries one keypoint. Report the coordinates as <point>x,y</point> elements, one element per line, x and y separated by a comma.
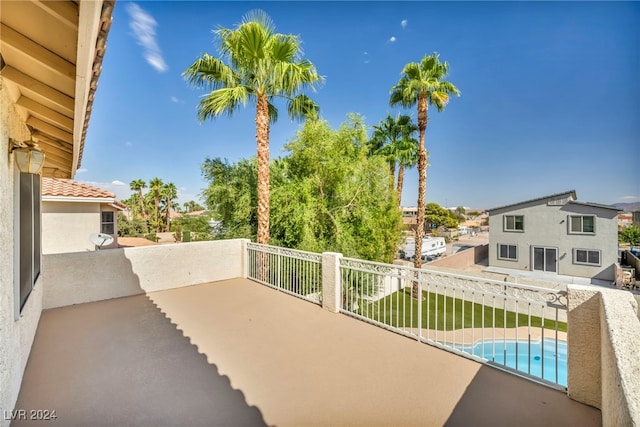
<point>327,195</point>
<point>630,235</point>
<point>393,140</point>
<point>137,185</point>
<point>438,216</point>
<point>155,188</point>
<point>192,206</point>
<point>135,227</point>
<point>255,63</point>
<point>422,84</point>
<point>168,193</point>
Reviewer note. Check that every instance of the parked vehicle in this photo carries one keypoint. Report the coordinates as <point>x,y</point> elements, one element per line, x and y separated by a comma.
<point>431,247</point>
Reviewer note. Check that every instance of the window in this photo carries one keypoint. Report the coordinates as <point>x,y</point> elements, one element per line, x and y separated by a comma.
<point>513,223</point>
<point>30,239</point>
<point>582,224</point>
<point>508,252</point>
<point>107,225</point>
<point>586,256</point>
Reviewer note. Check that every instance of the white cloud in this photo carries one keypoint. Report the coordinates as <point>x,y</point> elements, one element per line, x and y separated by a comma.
<point>119,188</point>
<point>116,182</point>
<point>128,144</point>
<point>629,198</point>
<point>82,170</point>
<point>174,99</point>
<point>144,30</point>
<point>404,23</point>
<point>392,39</point>
<point>367,59</point>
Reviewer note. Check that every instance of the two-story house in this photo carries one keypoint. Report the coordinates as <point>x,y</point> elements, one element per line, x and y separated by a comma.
<point>555,234</point>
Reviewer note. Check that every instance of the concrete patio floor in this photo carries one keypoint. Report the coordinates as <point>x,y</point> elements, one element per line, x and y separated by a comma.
<point>236,353</point>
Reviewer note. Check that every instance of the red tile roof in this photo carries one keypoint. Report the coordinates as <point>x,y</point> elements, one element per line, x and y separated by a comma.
<point>59,187</point>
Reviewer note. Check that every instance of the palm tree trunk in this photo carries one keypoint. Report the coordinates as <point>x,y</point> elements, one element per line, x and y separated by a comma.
<point>142,212</point>
<point>262,139</point>
<point>392,172</point>
<point>168,216</point>
<point>400,183</point>
<point>422,188</point>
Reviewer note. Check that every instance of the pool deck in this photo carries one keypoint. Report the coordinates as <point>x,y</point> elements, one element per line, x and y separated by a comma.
<point>236,353</point>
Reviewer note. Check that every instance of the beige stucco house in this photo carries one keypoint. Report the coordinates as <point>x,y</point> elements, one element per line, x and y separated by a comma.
<point>555,234</point>
<point>50,60</point>
<point>72,211</point>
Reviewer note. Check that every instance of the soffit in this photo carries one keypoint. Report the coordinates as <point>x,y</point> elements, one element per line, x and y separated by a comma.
<point>51,73</point>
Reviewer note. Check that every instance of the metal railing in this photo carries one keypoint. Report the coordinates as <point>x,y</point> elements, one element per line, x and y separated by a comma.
<point>292,271</point>
<point>515,327</point>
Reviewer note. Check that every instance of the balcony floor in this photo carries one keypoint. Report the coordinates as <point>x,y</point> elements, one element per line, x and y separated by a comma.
<point>236,353</point>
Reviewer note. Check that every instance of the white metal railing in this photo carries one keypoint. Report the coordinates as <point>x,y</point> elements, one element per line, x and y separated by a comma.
<point>296,272</point>
<point>518,328</point>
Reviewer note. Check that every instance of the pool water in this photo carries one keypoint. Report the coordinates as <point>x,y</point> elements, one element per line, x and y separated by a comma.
<point>528,363</point>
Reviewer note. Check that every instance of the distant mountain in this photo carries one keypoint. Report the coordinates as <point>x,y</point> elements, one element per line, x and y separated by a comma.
<point>628,207</point>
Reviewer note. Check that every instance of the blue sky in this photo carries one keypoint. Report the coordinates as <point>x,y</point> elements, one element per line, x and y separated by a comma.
<point>550,93</point>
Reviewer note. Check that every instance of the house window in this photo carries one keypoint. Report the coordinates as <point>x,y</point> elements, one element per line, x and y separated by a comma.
<point>586,256</point>
<point>30,239</point>
<point>582,224</point>
<point>107,225</point>
<point>514,222</point>
<point>508,252</point>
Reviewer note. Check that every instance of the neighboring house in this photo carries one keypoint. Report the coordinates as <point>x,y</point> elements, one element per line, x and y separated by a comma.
<point>555,234</point>
<point>72,211</point>
<point>50,55</point>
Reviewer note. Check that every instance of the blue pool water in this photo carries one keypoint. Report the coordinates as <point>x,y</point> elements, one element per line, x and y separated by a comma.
<point>528,363</point>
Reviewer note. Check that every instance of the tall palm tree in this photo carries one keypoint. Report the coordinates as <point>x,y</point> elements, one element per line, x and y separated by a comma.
<point>422,83</point>
<point>155,187</point>
<point>390,139</point>
<point>256,63</point>
<point>138,185</point>
<point>169,192</point>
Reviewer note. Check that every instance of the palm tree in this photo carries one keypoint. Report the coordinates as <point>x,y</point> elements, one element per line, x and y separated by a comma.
<point>155,187</point>
<point>421,83</point>
<point>138,185</point>
<point>169,192</point>
<point>392,139</point>
<point>407,152</point>
<point>256,64</point>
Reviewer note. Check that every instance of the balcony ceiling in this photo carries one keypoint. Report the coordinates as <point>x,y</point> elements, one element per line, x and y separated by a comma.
<point>51,56</point>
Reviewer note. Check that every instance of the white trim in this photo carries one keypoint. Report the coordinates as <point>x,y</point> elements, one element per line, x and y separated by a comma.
<point>88,28</point>
<point>78,199</point>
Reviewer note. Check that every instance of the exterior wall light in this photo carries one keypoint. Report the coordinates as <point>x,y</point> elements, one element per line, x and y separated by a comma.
<point>29,158</point>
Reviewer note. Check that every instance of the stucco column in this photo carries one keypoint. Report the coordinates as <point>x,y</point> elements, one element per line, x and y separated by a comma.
<point>331,283</point>
<point>244,258</point>
<point>584,375</point>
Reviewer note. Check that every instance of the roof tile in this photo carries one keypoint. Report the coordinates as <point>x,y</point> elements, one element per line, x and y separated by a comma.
<point>59,187</point>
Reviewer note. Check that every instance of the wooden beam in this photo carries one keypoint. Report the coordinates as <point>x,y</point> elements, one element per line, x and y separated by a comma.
<point>46,113</point>
<point>64,102</point>
<point>64,11</point>
<point>54,172</point>
<point>60,164</point>
<point>42,138</point>
<point>44,56</point>
<point>55,152</point>
<point>51,130</point>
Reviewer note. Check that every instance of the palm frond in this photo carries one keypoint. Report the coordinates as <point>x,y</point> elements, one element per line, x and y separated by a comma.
<point>222,101</point>
<point>302,107</point>
<point>210,72</point>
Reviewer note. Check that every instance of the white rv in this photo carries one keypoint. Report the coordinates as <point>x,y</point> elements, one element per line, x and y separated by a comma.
<point>431,247</point>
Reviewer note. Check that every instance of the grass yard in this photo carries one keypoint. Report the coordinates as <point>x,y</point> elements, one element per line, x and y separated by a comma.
<point>400,310</point>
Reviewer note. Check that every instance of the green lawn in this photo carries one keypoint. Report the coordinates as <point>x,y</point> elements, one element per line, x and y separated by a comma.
<point>400,310</point>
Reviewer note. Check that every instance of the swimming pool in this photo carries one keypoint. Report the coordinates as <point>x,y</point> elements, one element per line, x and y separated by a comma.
<point>515,354</point>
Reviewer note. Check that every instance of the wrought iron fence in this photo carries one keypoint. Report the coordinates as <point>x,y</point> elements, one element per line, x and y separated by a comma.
<point>518,328</point>
<point>296,272</point>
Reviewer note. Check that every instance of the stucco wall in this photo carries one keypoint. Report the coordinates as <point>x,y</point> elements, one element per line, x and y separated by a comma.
<point>548,226</point>
<point>66,226</point>
<point>75,278</point>
<point>462,259</point>
<point>16,336</point>
<point>603,363</point>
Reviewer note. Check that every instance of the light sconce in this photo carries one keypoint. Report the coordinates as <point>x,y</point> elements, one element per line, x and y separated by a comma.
<point>29,158</point>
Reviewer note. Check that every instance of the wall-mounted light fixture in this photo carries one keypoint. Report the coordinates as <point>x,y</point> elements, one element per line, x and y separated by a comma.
<point>29,158</point>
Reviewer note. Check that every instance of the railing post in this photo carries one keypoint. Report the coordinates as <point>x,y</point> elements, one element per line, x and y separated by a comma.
<point>331,281</point>
<point>244,258</point>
